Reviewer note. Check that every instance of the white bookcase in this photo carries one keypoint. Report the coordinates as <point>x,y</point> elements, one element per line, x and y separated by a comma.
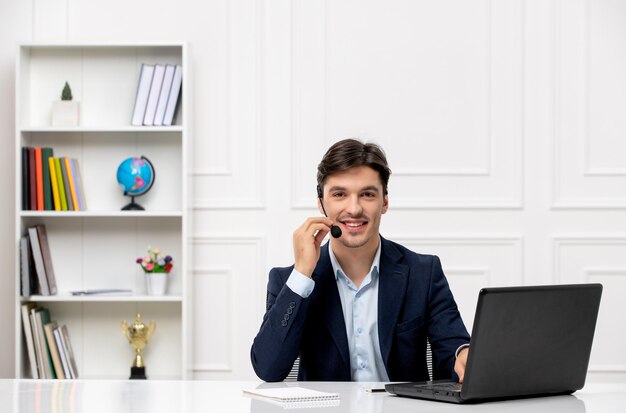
<point>97,248</point>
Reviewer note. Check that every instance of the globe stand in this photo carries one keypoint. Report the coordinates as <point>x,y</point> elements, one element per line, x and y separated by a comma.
<point>133,206</point>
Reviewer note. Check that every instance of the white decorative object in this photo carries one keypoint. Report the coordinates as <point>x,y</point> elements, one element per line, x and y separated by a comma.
<point>156,283</point>
<point>65,113</point>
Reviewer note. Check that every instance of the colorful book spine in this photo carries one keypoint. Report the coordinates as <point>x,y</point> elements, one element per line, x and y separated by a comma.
<point>32,179</point>
<point>78,184</point>
<point>46,153</point>
<point>25,180</point>
<point>59,173</point>
<point>55,185</point>
<point>39,178</point>
<point>72,183</point>
<point>66,185</point>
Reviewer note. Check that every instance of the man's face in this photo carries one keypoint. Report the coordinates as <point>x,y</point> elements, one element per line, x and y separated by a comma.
<point>355,200</point>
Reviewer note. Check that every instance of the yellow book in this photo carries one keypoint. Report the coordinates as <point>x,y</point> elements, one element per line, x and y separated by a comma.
<point>55,185</point>
<point>70,180</point>
<point>59,174</point>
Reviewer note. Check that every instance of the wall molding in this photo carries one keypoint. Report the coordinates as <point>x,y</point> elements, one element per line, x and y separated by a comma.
<point>258,189</point>
<point>319,134</point>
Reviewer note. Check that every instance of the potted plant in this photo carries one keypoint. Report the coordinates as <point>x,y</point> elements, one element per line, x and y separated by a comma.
<point>65,112</point>
<point>156,267</point>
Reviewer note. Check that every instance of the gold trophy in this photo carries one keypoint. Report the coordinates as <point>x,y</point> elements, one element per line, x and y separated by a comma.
<point>138,335</point>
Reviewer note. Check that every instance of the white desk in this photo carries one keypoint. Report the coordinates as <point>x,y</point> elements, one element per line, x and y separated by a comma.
<point>95,396</point>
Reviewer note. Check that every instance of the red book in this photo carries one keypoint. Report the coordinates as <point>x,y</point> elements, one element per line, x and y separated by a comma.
<point>32,177</point>
<point>39,176</point>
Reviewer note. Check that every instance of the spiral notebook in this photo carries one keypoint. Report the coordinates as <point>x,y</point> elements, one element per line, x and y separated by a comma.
<point>294,397</point>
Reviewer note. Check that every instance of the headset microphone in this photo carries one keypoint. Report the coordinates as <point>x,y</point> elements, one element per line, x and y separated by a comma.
<point>335,231</point>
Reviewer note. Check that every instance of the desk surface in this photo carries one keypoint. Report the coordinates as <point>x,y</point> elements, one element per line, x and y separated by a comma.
<point>96,396</point>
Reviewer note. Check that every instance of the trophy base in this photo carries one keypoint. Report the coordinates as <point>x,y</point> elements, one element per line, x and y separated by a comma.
<point>137,373</point>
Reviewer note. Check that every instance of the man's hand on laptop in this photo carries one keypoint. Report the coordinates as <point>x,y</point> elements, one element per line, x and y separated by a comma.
<point>459,364</point>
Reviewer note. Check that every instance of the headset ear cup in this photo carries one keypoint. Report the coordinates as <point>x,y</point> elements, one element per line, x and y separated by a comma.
<point>320,194</point>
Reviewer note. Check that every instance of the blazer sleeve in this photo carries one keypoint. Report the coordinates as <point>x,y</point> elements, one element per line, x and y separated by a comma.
<point>276,345</point>
<point>446,331</point>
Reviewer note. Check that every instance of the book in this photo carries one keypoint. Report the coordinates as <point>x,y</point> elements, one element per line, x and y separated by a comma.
<point>70,180</point>
<point>294,396</point>
<point>143,90</point>
<point>153,97</point>
<point>78,183</point>
<point>173,98</point>
<point>62,353</point>
<point>30,341</point>
<point>32,179</point>
<point>39,178</point>
<point>166,87</point>
<point>54,184</point>
<point>40,268</point>
<point>24,267</point>
<point>42,234</point>
<point>66,186</point>
<point>104,292</point>
<point>46,153</point>
<point>59,174</point>
<point>42,318</point>
<point>54,350</point>
<point>25,180</point>
<point>69,352</point>
<point>32,318</point>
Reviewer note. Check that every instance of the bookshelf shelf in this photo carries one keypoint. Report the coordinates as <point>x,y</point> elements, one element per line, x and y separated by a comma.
<point>100,214</point>
<point>68,298</point>
<point>97,247</point>
<point>95,129</point>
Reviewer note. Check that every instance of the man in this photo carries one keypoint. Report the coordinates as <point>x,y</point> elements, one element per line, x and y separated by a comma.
<point>359,307</point>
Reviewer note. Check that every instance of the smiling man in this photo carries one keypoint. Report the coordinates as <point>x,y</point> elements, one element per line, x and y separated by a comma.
<point>359,307</point>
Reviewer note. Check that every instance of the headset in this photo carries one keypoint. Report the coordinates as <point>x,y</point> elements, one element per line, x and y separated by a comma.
<point>335,231</point>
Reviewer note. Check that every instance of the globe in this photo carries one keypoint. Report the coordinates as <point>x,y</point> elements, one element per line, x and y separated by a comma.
<point>136,175</point>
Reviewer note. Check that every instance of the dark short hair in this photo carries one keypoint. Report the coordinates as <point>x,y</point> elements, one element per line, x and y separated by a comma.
<point>352,153</point>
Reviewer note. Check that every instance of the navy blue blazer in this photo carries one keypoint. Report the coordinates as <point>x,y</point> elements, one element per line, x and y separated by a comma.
<point>414,303</point>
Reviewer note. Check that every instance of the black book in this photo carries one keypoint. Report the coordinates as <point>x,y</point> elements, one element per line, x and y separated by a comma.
<point>25,180</point>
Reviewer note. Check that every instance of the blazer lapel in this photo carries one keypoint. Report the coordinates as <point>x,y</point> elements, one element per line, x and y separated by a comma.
<point>393,278</point>
<point>326,287</point>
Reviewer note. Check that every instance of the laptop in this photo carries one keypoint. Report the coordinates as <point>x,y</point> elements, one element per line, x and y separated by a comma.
<point>526,342</point>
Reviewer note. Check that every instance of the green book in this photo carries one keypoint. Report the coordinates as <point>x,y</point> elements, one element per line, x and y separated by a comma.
<point>43,319</point>
<point>47,185</point>
<point>59,173</point>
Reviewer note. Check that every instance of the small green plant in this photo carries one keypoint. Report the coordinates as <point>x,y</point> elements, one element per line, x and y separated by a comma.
<point>67,92</point>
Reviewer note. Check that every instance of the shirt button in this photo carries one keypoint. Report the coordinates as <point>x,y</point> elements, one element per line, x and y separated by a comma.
<point>284,323</point>
<point>362,365</point>
<point>359,330</point>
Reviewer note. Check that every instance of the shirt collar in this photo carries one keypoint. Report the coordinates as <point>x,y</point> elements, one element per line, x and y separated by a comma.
<point>337,267</point>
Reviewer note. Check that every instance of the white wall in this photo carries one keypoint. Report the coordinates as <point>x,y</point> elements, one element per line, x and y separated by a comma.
<point>503,122</point>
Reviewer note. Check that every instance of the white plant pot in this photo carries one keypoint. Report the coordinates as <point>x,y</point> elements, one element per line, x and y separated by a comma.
<point>65,113</point>
<point>156,283</point>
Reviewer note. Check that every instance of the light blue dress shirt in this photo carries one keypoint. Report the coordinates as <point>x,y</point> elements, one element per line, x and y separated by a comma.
<point>360,313</point>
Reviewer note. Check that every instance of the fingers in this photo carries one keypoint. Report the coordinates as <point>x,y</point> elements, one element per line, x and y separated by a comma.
<point>460,363</point>
<point>306,243</point>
